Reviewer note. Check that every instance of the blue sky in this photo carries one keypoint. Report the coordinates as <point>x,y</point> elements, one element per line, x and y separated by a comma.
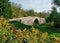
<point>37,5</point>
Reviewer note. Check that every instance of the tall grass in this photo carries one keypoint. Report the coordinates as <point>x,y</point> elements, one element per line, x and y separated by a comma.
<point>8,34</point>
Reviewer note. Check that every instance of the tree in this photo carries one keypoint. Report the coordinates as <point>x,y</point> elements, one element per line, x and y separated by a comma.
<point>56,2</point>
<point>54,14</point>
<point>53,17</point>
<point>44,14</point>
<point>30,12</point>
<point>5,9</point>
<point>16,10</point>
<point>57,22</point>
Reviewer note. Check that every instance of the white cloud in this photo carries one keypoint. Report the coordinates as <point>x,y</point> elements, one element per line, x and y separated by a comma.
<point>37,5</point>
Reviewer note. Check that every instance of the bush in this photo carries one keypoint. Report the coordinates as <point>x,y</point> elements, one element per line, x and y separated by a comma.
<point>8,34</point>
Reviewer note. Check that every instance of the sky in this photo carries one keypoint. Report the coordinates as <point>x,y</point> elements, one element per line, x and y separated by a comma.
<point>36,5</point>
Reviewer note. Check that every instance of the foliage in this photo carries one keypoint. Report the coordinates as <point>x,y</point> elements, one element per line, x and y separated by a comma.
<point>56,2</point>
<point>54,18</point>
<point>8,34</point>
<point>17,12</point>
<point>44,14</point>
<point>16,32</point>
<point>5,9</point>
<point>30,12</point>
<point>54,15</point>
<point>19,25</point>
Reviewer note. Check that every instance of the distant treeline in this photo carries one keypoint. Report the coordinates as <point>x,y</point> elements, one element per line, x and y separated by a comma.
<point>19,12</point>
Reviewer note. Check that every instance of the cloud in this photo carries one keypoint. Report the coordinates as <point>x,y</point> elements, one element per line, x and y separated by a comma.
<point>37,5</point>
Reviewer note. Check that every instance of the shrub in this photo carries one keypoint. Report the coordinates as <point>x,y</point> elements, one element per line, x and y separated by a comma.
<point>10,35</point>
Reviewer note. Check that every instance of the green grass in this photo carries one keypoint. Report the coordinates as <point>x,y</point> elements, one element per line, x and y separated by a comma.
<point>19,25</point>
<point>50,30</point>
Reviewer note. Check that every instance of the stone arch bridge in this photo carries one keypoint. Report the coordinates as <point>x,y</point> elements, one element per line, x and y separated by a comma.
<point>28,20</point>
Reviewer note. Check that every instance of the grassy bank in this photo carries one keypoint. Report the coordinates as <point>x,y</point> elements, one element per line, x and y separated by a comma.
<point>15,32</point>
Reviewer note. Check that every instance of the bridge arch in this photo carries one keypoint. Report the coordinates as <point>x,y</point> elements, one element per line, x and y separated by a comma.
<point>36,21</point>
